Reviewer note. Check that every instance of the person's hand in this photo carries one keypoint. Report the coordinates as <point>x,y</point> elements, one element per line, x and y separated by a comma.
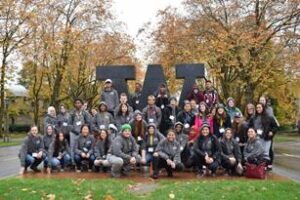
<point>22,171</point>
<point>169,162</point>
<point>59,157</point>
<point>173,165</point>
<point>132,160</point>
<point>143,161</point>
<point>155,154</point>
<point>87,155</point>
<point>39,155</point>
<point>83,155</point>
<point>232,159</point>
<point>270,133</point>
<point>48,170</point>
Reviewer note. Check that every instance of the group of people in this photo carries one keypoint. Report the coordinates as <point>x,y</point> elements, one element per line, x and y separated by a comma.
<point>204,135</point>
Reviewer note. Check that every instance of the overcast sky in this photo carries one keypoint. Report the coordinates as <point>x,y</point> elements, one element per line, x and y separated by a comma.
<point>135,13</point>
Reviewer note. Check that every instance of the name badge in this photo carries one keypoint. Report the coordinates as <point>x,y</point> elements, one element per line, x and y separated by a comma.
<point>151,149</point>
<point>151,120</point>
<point>34,155</point>
<point>222,130</point>
<point>139,138</point>
<point>162,106</point>
<point>137,102</point>
<point>186,126</point>
<point>102,126</point>
<point>171,117</point>
<point>181,148</point>
<point>259,131</point>
<point>65,124</point>
<point>237,139</point>
<point>78,123</point>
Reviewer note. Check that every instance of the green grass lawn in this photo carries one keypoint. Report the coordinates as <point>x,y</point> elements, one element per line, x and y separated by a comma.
<point>109,189</point>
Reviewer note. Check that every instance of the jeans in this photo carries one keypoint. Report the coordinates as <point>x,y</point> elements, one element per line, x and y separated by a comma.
<point>64,161</point>
<point>33,162</point>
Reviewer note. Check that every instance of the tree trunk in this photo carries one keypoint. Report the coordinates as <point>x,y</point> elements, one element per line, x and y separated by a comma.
<point>2,94</point>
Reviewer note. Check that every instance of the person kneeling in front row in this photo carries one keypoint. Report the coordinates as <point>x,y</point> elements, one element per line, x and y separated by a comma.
<point>167,155</point>
<point>123,152</point>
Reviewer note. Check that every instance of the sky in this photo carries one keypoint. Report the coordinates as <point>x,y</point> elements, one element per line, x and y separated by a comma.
<point>135,13</point>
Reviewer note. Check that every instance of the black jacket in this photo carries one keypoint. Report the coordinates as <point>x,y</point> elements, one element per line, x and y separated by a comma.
<point>268,124</point>
<point>218,125</point>
<point>209,145</point>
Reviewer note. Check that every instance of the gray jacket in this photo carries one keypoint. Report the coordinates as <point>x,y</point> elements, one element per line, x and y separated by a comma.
<point>122,119</point>
<point>84,144</point>
<point>63,122</point>
<point>77,119</point>
<point>50,120</point>
<point>169,150</point>
<point>182,139</point>
<point>253,149</point>
<point>111,98</point>
<point>30,145</point>
<point>152,115</point>
<point>47,140</point>
<point>124,148</point>
<point>101,148</point>
<point>150,143</point>
<point>103,118</point>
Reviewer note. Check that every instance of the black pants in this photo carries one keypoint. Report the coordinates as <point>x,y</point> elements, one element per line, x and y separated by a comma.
<point>159,163</point>
<point>227,165</point>
<point>199,161</point>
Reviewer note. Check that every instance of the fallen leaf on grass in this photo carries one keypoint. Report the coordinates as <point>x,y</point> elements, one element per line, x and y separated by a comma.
<point>108,197</point>
<point>89,196</point>
<point>51,196</point>
<point>172,195</point>
<point>25,189</point>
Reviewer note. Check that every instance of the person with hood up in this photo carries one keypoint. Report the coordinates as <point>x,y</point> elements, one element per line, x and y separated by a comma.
<point>151,140</point>
<point>103,118</point>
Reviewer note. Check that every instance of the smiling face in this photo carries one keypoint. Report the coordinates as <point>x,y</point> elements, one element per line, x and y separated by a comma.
<point>231,103</point>
<point>126,133</point>
<point>171,136</point>
<point>220,111</point>
<point>138,117</point>
<point>151,100</point>
<point>250,109</point>
<point>34,131</point>
<point>263,100</point>
<point>103,134</point>
<point>49,130</point>
<point>124,108</point>
<point>151,130</point>
<point>85,130</point>
<point>78,104</point>
<point>251,133</point>
<point>187,107</point>
<point>259,108</point>
<point>178,128</point>
<point>205,131</point>
<point>228,134</point>
<point>61,137</point>
<point>202,108</point>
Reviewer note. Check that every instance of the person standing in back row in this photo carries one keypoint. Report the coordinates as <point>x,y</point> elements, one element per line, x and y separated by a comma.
<point>110,96</point>
<point>210,95</point>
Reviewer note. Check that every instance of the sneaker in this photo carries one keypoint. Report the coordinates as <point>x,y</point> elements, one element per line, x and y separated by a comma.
<point>200,175</point>
<point>154,176</point>
<point>35,169</point>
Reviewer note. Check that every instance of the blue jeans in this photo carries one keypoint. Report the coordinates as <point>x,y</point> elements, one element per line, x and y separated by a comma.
<point>32,161</point>
<point>149,158</point>
<point>78,159</point>
<point>64,161</point>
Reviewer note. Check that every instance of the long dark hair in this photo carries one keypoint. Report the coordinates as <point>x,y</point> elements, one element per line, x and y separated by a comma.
<point>57,143</point>
<point>265,120</point>
<point>106,141</point>
<point>120,109</point>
